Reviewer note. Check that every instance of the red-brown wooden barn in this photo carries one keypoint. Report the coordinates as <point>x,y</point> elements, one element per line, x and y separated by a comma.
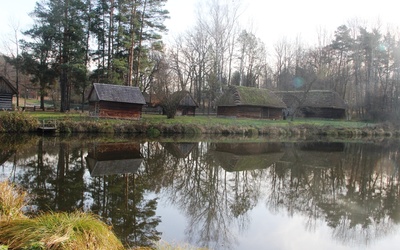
<point>239,101</point>
<point>115,101</point>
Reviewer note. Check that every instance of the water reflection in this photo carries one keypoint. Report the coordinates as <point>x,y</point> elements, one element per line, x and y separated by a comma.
<point>352,187</point>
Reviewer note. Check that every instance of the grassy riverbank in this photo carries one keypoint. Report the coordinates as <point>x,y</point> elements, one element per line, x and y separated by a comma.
<point>155,125</point>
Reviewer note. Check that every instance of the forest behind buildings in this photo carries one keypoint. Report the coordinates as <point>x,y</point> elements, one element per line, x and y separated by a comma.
<point>74,43</point>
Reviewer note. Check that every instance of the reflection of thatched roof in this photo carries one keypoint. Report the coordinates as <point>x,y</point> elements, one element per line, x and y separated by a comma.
<point>184,98</point>
<point>116,93</point>
<point>247,156</point>
<point>114,158</point>
<point>247,96</point>
<point>179,150</point>
<point>313,98</point>
<point>231,162</point>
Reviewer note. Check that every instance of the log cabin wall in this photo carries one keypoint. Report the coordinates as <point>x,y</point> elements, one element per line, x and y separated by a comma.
<point>116,110</point>
<point>249,112</point>
<point>330,113</point>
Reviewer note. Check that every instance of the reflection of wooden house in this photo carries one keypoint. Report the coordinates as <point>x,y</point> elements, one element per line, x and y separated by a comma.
<point>313,154</point>
<point>5,155</point>
<point>314,104</point>
<point>7,91</point>
<point>240,101</point>
<point>247,156</point>
<point>179,150</point>
<point>187,105</point>
<point>114,158</point>
<point>107,100</point>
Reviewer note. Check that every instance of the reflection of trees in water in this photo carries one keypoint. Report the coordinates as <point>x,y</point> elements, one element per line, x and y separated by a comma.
<point>357,194</point>
<point>120,198</point>
<point>210,197</point>
<point>54,175</point>
<point>353,187</point>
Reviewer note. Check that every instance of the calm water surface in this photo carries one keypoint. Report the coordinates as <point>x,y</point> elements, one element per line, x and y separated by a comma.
<point>221,193</point>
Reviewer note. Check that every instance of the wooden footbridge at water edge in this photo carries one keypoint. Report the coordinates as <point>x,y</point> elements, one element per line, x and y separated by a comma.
<point>47,126</point>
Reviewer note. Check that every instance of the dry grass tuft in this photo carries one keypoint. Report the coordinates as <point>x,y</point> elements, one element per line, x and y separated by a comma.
<point>66,231</point>
<point>12,200</point>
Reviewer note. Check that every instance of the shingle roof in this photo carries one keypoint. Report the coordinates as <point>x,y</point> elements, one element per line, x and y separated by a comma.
<point>240,96</point>
<point>314,98</point>
<point>6,86</point>
<point>117,93</point>
<point>184,98</point>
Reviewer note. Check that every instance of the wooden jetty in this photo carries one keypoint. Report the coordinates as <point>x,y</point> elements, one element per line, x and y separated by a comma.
<point>47,127</point>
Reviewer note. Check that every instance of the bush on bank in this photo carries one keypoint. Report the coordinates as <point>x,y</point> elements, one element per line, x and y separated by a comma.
<point>17,122</point>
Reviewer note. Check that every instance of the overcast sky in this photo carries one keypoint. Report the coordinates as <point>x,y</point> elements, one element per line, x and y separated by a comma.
<point>271,20</point>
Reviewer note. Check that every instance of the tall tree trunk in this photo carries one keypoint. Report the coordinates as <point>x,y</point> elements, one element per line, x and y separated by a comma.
<point>132,45</point>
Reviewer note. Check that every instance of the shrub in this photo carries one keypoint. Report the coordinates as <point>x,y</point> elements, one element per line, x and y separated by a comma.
<point>17,122</point>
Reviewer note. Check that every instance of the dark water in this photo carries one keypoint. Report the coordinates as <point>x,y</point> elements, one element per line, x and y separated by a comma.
<point>221,193</point>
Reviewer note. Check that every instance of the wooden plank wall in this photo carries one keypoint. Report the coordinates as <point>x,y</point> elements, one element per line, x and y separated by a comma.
<point>5,101</point>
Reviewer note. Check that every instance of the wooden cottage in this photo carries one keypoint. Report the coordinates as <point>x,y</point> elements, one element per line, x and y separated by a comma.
<point>187,105</point>
<point>107,100</point>
<point>7,91</point>
<point>314,104</point>
<point>114,158</point>
<point>249,102</point>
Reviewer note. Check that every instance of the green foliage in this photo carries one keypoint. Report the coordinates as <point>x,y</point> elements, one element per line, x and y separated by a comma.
<point>17,122</point>
<point>153,132</point>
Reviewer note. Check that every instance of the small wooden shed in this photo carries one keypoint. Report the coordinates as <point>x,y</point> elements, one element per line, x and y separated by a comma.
<point>187,105</point>
<point>7,91</point>
<point>115,101</point>
<point>314,103</point>
<point>239,101</point>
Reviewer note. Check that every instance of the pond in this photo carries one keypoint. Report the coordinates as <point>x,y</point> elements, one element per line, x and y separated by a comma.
<point>218,192</point>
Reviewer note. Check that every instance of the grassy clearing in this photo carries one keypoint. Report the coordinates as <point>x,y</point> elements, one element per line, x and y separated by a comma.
<point>156,125</point>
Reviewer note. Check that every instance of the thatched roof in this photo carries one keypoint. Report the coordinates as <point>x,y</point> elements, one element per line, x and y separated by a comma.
<point>184,98</point>
<point>314,98</point>
<point>247,96</point>
<point>6,86</point>
<point>116,93</point>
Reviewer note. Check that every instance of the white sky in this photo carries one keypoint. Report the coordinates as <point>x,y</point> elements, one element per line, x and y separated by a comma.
<point>272,20</point>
